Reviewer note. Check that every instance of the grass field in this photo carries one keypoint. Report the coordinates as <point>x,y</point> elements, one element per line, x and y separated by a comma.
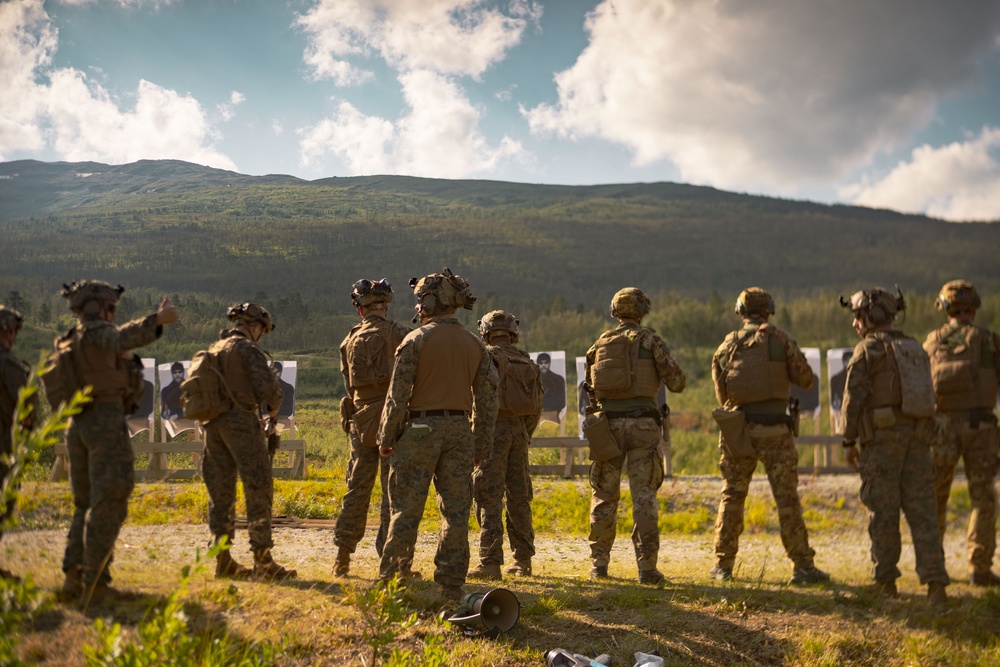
<point>755,620</point>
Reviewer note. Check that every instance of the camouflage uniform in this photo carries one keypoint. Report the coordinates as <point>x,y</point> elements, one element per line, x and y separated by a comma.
<point>235,443</point>
<point>635,426</point>
<point>365,463</point>
<point>773,444</point>
<point>504,479</point>
<point>971,434</point>
<point>895,464</point>
<point>437,447</point>
<point>101,460</point>
<point>13,376</point>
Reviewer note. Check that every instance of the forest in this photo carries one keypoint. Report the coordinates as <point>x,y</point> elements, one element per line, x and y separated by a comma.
<point>553,255</point>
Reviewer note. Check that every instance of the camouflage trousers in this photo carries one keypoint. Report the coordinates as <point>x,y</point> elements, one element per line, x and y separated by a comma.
<point>444,454</point>
<point>638,439</point>
<point>978,448</point>
<point>235,446</point>
<point>102,476</point>
<point>897,474</point>
<point>362,468</point>
<point>775,448</point>
<point>504,479</point>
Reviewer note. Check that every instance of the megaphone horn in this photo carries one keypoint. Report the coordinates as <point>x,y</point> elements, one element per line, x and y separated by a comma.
<point>498,609</point>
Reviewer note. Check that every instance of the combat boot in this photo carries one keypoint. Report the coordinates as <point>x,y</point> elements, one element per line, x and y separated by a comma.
<point>808,575</point>
<point>883,588</point>
<point>721,573</point>
<point>489,572</point>
<point>936,594</point>
<point>984,579</point>
<point>9,576</point>
<point>265,569</point>
<point>599,572</point>
<point>72,587</point>
<point>342,565</point>
<point>520,568</point>
<point>226,567</point>
<point>653,576</point>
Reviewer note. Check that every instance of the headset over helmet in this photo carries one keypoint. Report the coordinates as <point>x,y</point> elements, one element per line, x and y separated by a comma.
<point>755,301</point>
<point>630,302</point>
<point>958,295</point>
<point>88,297</point>
<point>10,319</point>
<point>880,305</point>
<point>250,313</point>
<point>499,321</point>
<point>441,292</point>
<point>365,293</point>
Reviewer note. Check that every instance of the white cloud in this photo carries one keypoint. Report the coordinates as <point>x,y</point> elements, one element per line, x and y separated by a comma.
<point>960,181</point>
<point>455,37</point>
<point>27,42</point>
<point>76,116</point>
<point>123,3</point>
<point>775,94</point>
<point>438,137</point>
<point>277,128</point>
<point>228,111</point>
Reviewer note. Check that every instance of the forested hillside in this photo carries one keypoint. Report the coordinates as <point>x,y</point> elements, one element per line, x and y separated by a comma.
<point>555,254</point>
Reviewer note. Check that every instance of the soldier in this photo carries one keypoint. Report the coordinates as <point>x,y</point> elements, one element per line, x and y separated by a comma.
<point>753,371</point>
<point>504,475</point>
<point>624,371</point>
<point>13,375</point>
<point>965,369</point>
<point>366,364</point>
<point>441,374</point>
<point>235,443</point>
<point>888,400</point>
<point>100,452</point>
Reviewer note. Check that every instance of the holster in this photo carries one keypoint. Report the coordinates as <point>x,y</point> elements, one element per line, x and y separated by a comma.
<point>597,431</point>
<point>733,436</point>
<point>346,413</point>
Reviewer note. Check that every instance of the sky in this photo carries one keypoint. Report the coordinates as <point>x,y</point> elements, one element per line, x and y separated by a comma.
<point>889,103</point>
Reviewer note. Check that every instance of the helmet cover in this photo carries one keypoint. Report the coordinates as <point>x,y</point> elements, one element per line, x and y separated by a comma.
<point>958,295</point>
<point>630,302</point>
<point>498,321</point>
<point>250,313</point>
<point>365,293</point>
<point>88,297</point>
<point>10,319</point>
<point>755,300</point>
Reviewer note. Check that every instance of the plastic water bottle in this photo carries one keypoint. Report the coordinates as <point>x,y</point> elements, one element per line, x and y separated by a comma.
<point>560,657</point>
<point>647,660</point>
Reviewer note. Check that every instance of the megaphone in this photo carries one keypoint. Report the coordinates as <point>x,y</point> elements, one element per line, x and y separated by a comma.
<point>497,610</point>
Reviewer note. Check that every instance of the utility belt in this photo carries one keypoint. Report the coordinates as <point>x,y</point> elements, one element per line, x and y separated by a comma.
<point>652,413</point>
<point>438,413</point>
<point>770,420</point>
<point>979,416</point>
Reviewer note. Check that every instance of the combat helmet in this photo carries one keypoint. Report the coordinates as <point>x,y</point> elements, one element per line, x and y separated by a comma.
<point>441,292</point>
<point>755,301</point>
<point>88,297</point>
<point>499,321</point>
<point>958,295</point>
<point>10,319</point>
<point>365,293</point>
<point>630,302</point>
<point>880,305</point>
<point>250,313</point>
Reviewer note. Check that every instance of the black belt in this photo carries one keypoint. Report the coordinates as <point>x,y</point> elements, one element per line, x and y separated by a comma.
<point>979,416</point>
<point>769,420</point>
<point>636,414</point>
<point>438,413</point>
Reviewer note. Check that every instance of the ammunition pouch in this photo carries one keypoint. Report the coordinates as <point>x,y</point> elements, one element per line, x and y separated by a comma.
<point>597,431</point>
<point>366,420</point>
<point>733,436</point>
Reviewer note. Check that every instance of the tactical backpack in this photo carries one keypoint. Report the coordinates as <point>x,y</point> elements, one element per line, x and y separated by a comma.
<point>60,373</point>
<point>201,392</point>
<point>368,357</point>
<point>520,390</point>
<point>914,377</point>
<point>755,367</point>
<point>618,371</point>
<point>963,368</point>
